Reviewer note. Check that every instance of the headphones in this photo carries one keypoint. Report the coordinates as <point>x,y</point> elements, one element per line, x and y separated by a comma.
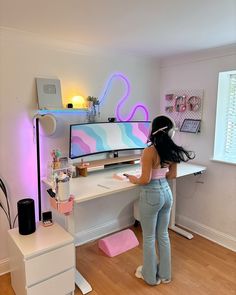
<point>180,104</point>
<point>170,132</point>
<point>194,103</point>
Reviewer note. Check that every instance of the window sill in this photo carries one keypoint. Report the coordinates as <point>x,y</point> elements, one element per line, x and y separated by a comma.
<point>222,161</point>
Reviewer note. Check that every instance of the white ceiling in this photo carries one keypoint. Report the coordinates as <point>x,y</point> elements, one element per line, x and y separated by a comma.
<point>149,27</point>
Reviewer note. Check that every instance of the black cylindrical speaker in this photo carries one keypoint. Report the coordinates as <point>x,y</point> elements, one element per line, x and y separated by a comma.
<point>26,216</point>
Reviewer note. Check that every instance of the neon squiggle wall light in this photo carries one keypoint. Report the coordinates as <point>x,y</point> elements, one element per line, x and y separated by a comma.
<point>123,99</point>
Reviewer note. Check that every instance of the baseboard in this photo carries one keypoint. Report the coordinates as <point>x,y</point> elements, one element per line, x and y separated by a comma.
<point>97,232</point>
<point>207,232</point>
<point>4,266</point>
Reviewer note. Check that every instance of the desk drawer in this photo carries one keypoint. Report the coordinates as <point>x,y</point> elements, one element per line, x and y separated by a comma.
<point>49,264</point>
<point>61,284</point>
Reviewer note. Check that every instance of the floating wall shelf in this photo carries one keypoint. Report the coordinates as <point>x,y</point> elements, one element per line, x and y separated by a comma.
<point>62,111</point>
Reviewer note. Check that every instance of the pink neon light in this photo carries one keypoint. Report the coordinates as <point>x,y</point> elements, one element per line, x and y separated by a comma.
<point>123,99</point>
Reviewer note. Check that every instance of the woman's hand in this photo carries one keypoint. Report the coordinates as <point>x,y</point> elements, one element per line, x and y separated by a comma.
<point>133,179</point>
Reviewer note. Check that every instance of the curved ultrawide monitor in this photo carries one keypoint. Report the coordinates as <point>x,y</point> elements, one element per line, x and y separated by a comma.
<point>93,138</point>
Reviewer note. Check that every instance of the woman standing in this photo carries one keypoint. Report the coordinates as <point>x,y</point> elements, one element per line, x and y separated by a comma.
<point>159,163</point>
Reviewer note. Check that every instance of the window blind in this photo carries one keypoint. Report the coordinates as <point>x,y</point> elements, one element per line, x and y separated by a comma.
<point>230,122</point>
<point>225,131</point>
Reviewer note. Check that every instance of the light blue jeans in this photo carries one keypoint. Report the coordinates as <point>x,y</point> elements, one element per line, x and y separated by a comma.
<point>155,206</point>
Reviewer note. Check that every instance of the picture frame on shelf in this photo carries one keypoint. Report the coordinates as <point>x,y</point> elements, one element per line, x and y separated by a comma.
<point>49,93</point>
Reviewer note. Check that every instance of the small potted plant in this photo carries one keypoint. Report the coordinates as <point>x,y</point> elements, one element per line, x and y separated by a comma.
<point>94,100</point>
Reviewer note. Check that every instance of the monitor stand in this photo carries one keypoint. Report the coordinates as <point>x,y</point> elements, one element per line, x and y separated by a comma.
<point>84,168</point>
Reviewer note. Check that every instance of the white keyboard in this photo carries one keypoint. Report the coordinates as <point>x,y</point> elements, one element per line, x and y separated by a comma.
<point>121,176</point>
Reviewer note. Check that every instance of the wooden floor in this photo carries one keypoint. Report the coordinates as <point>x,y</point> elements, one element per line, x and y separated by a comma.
<point>199,267</point>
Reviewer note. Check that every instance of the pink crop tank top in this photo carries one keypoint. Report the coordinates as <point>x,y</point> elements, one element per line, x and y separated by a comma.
<point>159,173</point>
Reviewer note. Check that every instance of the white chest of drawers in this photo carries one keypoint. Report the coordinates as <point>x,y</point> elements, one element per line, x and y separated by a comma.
<point>42,263</point>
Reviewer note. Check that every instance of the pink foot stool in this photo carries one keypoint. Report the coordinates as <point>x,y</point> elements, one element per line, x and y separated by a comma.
<point>118,243</point>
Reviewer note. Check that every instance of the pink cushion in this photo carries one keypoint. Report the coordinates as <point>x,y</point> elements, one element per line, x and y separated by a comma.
<point>118,243</point>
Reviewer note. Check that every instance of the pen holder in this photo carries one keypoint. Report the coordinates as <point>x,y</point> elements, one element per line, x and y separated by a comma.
<point>65,207</point>
<point>56,165</point>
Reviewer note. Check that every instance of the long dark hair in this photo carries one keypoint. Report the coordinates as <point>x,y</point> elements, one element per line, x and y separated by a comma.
<point>161,137</point>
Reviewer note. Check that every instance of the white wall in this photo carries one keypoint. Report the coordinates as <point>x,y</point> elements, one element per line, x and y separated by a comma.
<point>24,57</point>
<point>207,208</point>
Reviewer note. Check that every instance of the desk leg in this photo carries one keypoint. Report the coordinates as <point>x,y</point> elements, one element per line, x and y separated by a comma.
<point>172,225</point>
<point>80,281</point>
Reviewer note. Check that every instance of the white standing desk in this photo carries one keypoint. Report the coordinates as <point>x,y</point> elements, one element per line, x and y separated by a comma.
<point>102,184</point>
<point>183,169</point>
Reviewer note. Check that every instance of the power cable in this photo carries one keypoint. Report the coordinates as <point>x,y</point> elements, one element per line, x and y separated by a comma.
<point>8,211</point>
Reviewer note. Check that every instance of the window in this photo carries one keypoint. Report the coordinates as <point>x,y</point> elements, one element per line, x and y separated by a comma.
<point>225,132</point>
